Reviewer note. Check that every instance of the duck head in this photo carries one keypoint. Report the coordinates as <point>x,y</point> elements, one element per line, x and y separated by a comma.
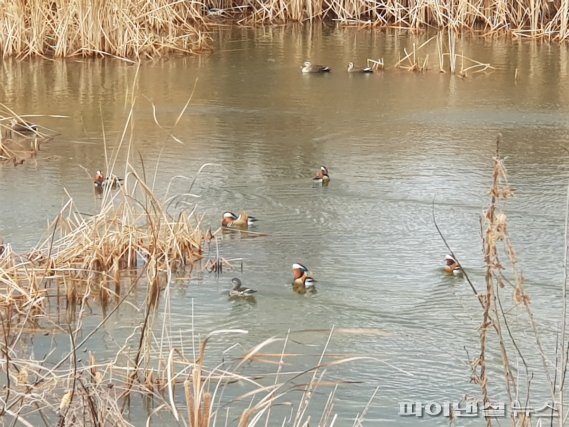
<point>228,218</point>
<point>322,173</point>
<point>299,270</point>
<point>99,179</point>
<point>449,260</point>
<point>236,283</point>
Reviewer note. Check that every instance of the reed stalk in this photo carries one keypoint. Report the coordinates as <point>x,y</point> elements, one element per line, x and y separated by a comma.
<point>499,257</point>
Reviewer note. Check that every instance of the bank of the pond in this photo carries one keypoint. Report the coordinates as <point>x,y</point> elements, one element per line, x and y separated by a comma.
<point>149,29</point>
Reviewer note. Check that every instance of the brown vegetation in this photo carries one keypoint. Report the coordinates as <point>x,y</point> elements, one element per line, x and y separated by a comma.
<point>149,29</point>
<point>86,254</point>
<point>125,29</point>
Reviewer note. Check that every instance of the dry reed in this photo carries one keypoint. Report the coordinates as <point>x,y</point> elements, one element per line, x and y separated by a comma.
<point>89,253</point>
<point>149,29</point>
<point>125,29</point>
<point>520,18</point>
<point>97,393</point>
<point>445,52</point>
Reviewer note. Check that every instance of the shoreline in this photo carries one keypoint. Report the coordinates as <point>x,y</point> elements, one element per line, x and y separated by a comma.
<point>38,29</point>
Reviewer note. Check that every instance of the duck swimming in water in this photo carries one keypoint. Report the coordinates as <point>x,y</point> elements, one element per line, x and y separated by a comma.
<point>314,68</point>
<point>242,221</point>
<point>21,126</point>
<point>354,69</point>
<point>110,181</point>
<point>301,280</point>
<point>303,285</point>
<point>322,176</point>
<point>240,291</point>
<point>298,271</point>
<point>452,265</point>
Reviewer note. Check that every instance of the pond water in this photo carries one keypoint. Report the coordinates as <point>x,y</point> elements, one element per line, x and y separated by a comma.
<point>394,142</point>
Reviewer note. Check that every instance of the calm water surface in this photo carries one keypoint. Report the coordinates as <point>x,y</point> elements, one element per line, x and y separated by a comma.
<point>393,142</point>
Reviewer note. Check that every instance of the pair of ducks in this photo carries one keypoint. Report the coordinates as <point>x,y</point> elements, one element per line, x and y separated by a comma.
<point>315,68</point>
<point>302,283</point>
<point>243,221</point>
<point>102,182</point>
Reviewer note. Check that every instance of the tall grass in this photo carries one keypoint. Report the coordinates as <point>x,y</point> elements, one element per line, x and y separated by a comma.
<point>521,18</point>
<point>122,28</point>
<point>149,29</point>
<point>78,389</point>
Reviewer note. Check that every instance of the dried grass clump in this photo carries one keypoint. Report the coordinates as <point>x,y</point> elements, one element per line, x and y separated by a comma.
<point>128,232</point>
<point>122,235</point>
<point>121,28</point>
<point>142,29</point>
<point>86,255</point>
<point>521,18</point>
<point>449,59</point>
